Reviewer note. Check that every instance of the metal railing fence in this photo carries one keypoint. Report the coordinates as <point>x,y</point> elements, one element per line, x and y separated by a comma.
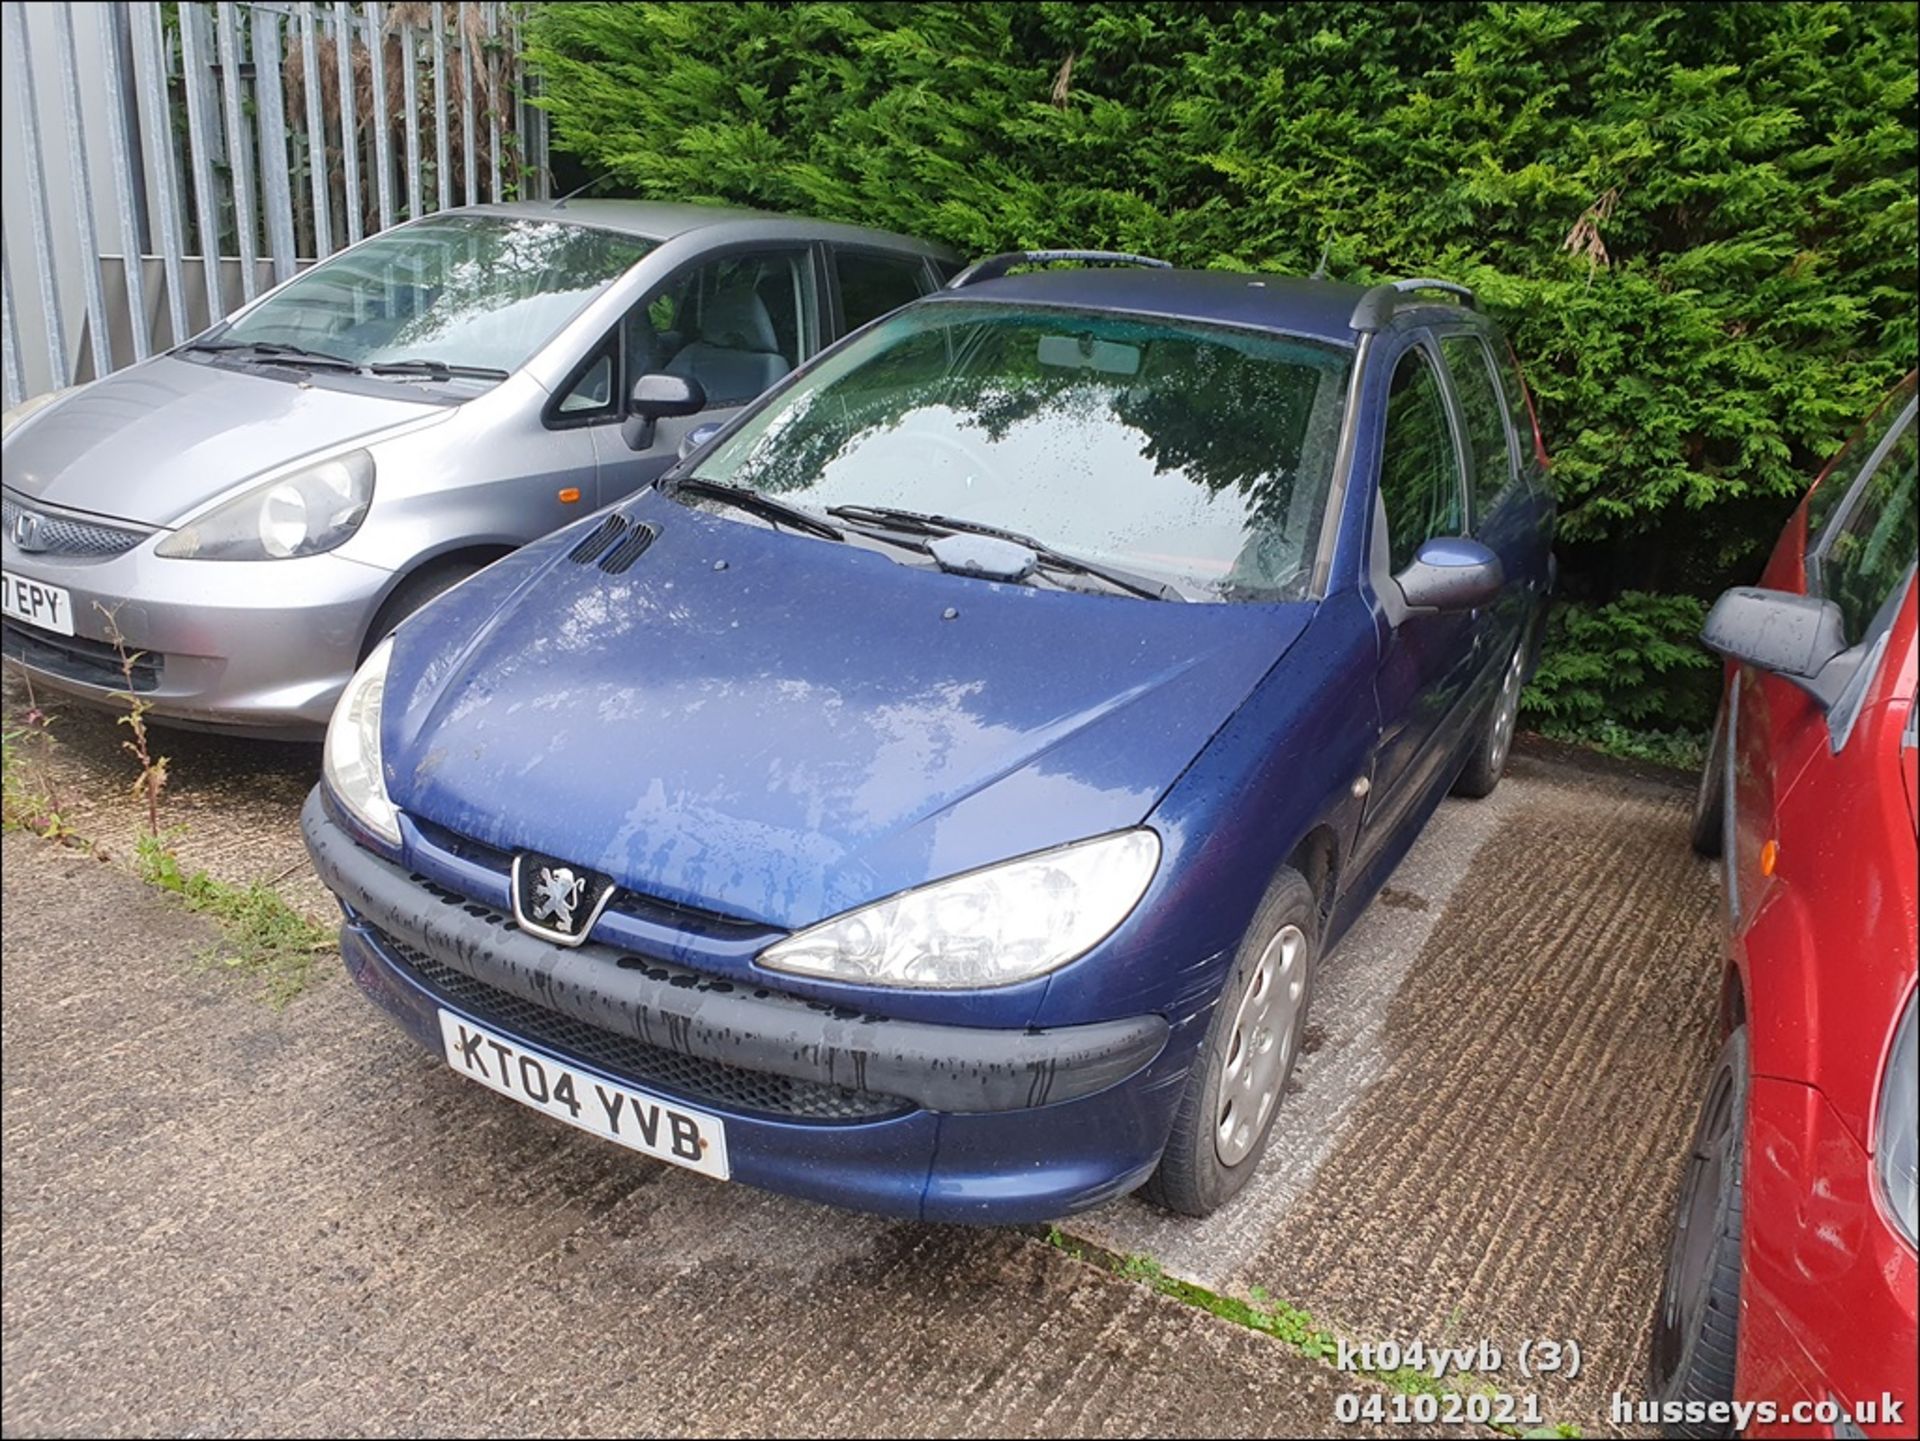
<point>241,141</point>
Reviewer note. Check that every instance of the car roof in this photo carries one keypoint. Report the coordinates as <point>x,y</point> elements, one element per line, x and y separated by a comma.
<point>1297,305</point>
<point>666,219</point>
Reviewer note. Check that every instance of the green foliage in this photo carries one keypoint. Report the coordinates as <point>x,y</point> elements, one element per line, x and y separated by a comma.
<point>1681,750</point>
<point>28,798</point>
<point>24,804</point>
<point>1629,676</point>
<point>1698,223</point>
<point>267,940</point>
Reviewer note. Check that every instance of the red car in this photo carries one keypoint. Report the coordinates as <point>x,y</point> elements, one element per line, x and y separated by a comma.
<point>1789,1302</point>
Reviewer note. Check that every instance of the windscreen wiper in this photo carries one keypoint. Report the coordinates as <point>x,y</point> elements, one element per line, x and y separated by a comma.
<point>754,503</point>
<point>278,354</point>
<point>920,523</point>
<point>435,370</point>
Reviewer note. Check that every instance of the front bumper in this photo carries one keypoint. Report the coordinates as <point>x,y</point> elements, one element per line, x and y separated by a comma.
<point>944,1122</point>
<point>257,648</point>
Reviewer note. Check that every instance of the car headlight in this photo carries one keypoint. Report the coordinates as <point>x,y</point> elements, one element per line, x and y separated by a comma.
<point>353,770</point>
<point>304,513</point>
<point>992,927</point>
<point>14,415</point>
<point>1896,1144</point>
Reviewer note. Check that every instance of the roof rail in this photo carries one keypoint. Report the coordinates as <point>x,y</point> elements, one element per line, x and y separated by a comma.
<point>995,266</point>
<point>1377,305</point>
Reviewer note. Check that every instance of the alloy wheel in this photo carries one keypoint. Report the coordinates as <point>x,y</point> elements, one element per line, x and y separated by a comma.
<point>1261,1044</point>
<point>1507,714</point>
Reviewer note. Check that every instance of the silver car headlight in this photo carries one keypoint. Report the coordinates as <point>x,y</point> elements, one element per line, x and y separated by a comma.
<point>13,416</point>
<point>304,513</point>
<point>353,771</point>
<point>991,927</point>
<point>1896,1143</point>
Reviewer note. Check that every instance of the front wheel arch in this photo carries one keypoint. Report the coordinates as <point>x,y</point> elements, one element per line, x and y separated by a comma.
<point>1317,858</point>
<point>1193,1178</point>
<point>421,583</point>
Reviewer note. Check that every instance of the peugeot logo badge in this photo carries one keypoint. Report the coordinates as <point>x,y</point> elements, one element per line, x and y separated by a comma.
<point>555,900</point>
<point>556,894</point>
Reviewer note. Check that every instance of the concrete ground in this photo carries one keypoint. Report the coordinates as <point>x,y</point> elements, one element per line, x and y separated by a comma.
<point>219,1218</point>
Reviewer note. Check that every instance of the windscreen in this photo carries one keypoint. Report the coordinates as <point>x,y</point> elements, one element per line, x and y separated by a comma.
<point>1196,454</point>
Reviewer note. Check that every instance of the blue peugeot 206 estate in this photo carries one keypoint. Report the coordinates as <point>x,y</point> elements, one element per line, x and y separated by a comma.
<point>937,793</point>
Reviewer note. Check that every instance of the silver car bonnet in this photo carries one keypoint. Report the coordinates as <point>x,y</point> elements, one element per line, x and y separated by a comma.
<point>155,441</point>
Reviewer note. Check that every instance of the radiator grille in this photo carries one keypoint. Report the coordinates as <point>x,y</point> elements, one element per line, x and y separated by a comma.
<point>696,1079</point>
<point>65,535</point>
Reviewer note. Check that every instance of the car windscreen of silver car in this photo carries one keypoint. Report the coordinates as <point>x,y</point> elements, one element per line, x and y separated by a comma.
<point>483,292</point>
<point>1196,454</point>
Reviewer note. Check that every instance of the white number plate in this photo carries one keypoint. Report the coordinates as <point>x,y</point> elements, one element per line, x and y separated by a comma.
<point>36,603</point>
<point>661,1129</point>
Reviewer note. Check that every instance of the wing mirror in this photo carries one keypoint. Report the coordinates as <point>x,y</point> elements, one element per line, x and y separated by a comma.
<point>697,438</point>
<point>654,396</point>
<point>1451,573</point>
<point>1799,638</point>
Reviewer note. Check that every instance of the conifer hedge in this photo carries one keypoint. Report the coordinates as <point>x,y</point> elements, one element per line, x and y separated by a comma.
<point>1697,222</point>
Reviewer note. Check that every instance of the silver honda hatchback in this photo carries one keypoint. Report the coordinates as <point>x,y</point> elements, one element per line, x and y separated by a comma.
<point>245,516</point>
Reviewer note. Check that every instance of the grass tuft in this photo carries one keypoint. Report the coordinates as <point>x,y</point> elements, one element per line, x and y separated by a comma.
<point>266,939</point>
<point>1260,1312</point>
<point>28,799</point>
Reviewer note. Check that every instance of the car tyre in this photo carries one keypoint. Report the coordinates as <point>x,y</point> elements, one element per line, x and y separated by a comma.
<point>433,579</point>
<point>1706,829</point>
<point>1696,1323</point>
<point>1239,1079</point>
<point>1495,742</point>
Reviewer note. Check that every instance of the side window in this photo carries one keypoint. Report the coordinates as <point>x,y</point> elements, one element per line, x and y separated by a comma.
<point>1494,461</point>
<point>1420,481</point>
<point>1871,547</point>
<point>1844,469</point>
<point>871,285</point>
<point>736,324</point>
<point>592,393</point>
